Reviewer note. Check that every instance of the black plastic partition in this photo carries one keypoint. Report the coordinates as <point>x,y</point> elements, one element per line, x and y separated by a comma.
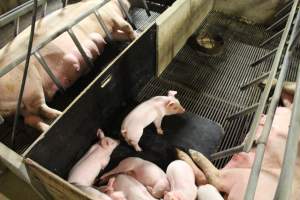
<point>110,94</point>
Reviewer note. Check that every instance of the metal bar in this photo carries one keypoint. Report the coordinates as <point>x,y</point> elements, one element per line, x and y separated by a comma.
<point>87,60</point>
<point>16,26</point>
<point>271,38</point>
<point>146,7</point>
<point>103,25</point>
<point>284,186</point>
<point>44,9</point>
<point>17,12</point>
<point>64,3</point>
<point>44,64</point>
<point>25,73</point>
<point>4,70</point>
<point>124,10</point>
<point>245,111</point>
<point>275,24</point>
<point>295,41</point>
<point>260,60</point>
<point>256,80</point>
<point>288,4</point>
<point>264,96</point>
<point>262,140</point>
<point>227,152</point>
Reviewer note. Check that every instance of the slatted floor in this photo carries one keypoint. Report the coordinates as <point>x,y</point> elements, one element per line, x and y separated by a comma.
<point>210,86</point>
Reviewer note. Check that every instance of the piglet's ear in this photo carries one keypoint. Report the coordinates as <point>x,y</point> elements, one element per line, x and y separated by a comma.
<point>100,133</point>
<point>172,93</point>
<point>169,104</point>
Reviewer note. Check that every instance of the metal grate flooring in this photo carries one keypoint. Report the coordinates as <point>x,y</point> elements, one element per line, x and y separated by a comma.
<point>210,86</point>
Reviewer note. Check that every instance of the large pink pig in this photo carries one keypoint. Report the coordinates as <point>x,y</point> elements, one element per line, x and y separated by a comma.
<point>147,173</point>
<point>61,55</point>
<point>182,181</point>
<point>233,181</point>
<point>89,166</point>
<point>132,189</point>
<point>152,110</point>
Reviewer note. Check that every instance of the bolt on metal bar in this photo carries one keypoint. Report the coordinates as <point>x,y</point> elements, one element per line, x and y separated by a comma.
<point>87,60</point>
<point>124,10</point>
<point>103,25</point>
<point>271,38</point>
<point>44,64</point>
<point>260,60</point>
<point>227,152</point>
<point>4,70</point>
<point>284,186</point>
<point>278,22</point>
<point>17,12</point>
<point>288,4</point>
<point>262,140</point>
<point>265,95</point>
<point>295,41</point>
<point>16,26</point>
<point>20,97</point>
<point>146,7</point>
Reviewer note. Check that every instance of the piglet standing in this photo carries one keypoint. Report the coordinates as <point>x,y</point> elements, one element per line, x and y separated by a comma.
<point>132,189</point>
<point>89,166</point>
<point>182,181</point>
<point>152,110</point>
<point>147,173</point>
<point>208,192</point>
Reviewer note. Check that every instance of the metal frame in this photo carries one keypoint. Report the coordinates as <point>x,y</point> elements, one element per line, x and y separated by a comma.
<point>249,140</point>
<point>262,140</point>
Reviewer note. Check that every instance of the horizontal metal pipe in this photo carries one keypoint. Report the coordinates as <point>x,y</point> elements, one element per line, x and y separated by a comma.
<point>275,24</point>
<point>262,140</point>
<point>260,60</point>
<point>284,186</point>
<point>227,152</point>
<point>18,12</point>
<point>51,37</point>
<point>271,38</point>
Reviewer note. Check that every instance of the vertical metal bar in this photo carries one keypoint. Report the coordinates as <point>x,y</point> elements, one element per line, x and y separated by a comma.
<point>1,120</point>
<point>264,57</point>
<point>271,38</point>
<point>146,7</point>
<point>124,10</point>
<point>88,61</point>
<point>295,41</point>
<point>284,186</point>
<point>64,3</point>
<point>44,64</point>
<point>103,25</point>
<point>20,97</point>
<point>16,26</point>
<point>262,140</point>
<point>275,24</point>
<point>284,8</point>
<point>44,9</point>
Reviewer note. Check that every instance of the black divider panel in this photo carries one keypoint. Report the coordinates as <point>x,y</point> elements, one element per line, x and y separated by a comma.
<point>72,135</point>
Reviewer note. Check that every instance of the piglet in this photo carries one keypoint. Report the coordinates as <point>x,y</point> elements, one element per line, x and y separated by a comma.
<point>94,193</point>
<point>182,181</point>
<point>208,192</point>
<point>132,189</point>
<point>152,110</point>
<point>147,173</point>
<point>88,167</point>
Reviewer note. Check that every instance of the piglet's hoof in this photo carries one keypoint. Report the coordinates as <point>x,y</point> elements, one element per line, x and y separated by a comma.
<point>160,131</point>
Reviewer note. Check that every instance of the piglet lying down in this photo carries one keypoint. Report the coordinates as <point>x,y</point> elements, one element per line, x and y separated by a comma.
<point>147,112</point>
